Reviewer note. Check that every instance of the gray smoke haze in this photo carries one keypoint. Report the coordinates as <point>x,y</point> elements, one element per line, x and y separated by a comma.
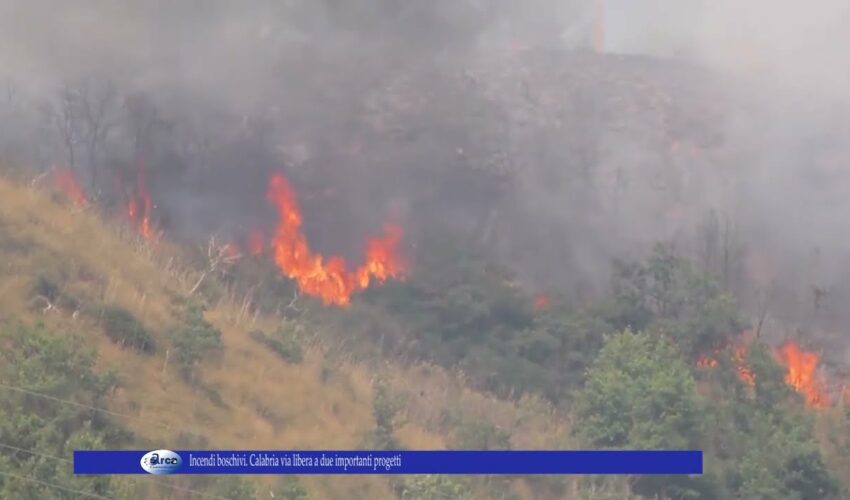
<point>723,126</point>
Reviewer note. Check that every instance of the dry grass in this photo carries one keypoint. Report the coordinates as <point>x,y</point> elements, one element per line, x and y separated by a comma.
<point>267,403</point>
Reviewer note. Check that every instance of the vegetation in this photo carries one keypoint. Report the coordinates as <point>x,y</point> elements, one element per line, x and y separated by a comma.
<point>123,328</point>
<point>385,408</point>
<point>39,365</point>
<point>620,372</point>
<point>193,339</point>
<point>284,342</point>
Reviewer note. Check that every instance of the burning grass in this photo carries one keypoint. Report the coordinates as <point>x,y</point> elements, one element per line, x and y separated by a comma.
<point>98,266</point>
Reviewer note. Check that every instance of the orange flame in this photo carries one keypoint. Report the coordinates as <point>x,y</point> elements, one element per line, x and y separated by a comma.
<point>802,374</point>
<point>745,373</point>
<point>739,358</point>
<point>139,207</point>
<point>67,183</point>
<point>327,279</point>
<point>706,362</point>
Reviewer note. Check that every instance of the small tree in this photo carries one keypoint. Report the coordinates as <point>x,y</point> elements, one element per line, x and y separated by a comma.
<point>640,394</point>
<point>193,339</point>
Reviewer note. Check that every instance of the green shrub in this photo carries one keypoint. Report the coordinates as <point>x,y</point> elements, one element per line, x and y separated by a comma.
<point>46,288</point>
<point>291,489</point>
<point>284,342</point>
<point>56,365</point>
<point>193,339</point>
<point>385,408</point>
<point>123,328</point>
<point>435,488</point>
<point>482,435</point>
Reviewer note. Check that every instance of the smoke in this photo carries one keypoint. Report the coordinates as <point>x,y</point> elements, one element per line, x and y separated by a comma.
<point>719,125</point>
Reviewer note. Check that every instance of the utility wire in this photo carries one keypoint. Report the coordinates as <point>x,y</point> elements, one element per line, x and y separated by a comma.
<point>94,408</point>
<point>66,460</point>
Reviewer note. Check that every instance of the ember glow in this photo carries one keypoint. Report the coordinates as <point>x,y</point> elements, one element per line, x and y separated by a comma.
<point>139,206</point>
<point>739,358</point>
<point>231,251</point>
<point>541,301</point>
<point>67,183</point>
<point>802,374</point>
<point>327,278</point>
<point>256,241</point>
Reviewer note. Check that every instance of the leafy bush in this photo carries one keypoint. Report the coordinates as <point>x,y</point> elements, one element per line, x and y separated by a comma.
<point>46,288</point>
<point>291,489</point>
<point>193,339</point>
<point>283,342</point>
<point>60,366</point>
<point>385,408</point>
<point>235,488</point>
<point>430,487</point>
<point>123,328</point>
<point>482,435</point>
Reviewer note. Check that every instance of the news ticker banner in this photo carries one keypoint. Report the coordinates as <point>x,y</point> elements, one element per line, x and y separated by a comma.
<point>387,462</point>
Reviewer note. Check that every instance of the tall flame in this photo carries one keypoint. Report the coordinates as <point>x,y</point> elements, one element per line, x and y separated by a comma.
<point>802,374</point>
<point>67,183</point>
<point>328,279</point>
<point>139,206</point>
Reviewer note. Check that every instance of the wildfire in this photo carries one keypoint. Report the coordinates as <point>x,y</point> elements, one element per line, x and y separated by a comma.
<point>739,357</point>
<point>328,279</point>
<point>139,206</point>
<point>802,374</point>
<point>801,371</point>
<point>67,183</point>
<point>745,373</point>
<point>706,362</point>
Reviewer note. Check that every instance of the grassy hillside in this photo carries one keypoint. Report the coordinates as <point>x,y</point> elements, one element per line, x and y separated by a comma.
<point>61,267</point>
<point>109,341</point>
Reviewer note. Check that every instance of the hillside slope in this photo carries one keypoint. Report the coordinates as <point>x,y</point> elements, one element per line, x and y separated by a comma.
<point>63,268</point>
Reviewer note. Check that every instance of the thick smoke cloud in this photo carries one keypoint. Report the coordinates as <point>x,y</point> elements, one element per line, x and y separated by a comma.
<point>720,125</point>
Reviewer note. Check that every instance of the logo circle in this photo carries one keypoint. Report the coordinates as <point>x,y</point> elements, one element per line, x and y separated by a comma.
<point>161,462</point>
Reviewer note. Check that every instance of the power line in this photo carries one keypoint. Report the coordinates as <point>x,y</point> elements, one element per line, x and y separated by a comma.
<point>93,408</point>
<point>66,460</point>
<point>82,405</point>
<point>54,485</point>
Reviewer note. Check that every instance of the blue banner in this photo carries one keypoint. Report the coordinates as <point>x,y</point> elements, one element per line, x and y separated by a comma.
<point>387,462</point>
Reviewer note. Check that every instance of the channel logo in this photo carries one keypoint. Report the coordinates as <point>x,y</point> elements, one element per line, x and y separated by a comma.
<point>161,462</point>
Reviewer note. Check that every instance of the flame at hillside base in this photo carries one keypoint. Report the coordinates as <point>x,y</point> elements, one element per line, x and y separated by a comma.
<point>139,207</point>
<point>327,278</point>
<point>67,183</point>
